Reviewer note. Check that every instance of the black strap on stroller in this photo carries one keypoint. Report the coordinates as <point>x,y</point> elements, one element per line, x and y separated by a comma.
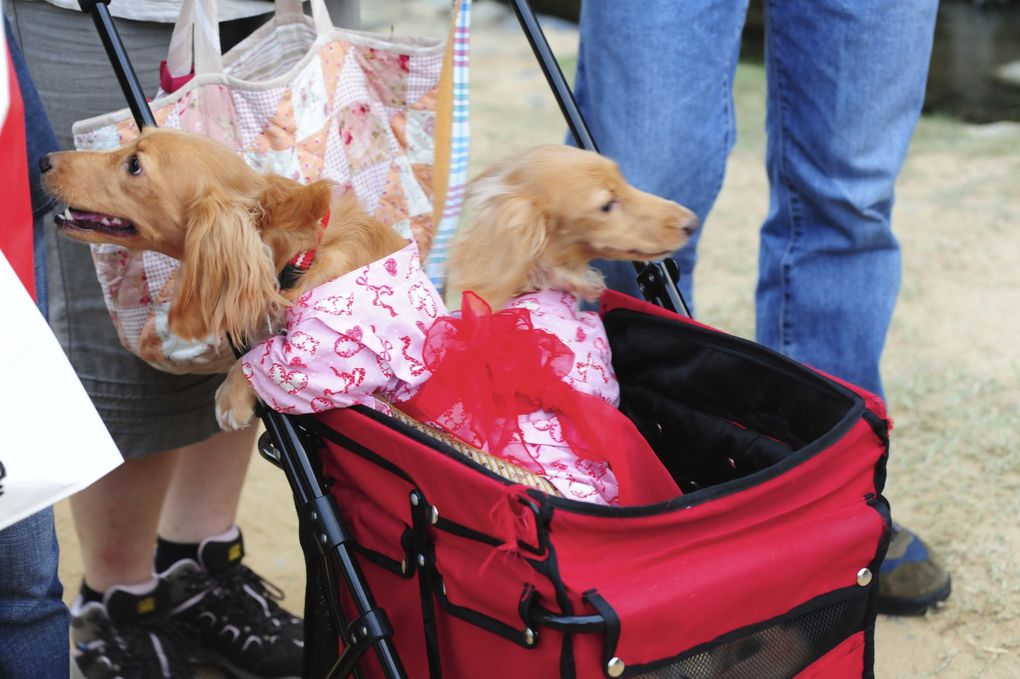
<point>323,531</point>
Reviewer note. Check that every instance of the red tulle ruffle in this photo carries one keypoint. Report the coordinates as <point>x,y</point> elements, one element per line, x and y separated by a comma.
<point>489,368</point>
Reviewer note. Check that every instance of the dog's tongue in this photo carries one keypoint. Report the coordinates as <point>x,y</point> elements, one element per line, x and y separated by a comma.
<point>79,215</point>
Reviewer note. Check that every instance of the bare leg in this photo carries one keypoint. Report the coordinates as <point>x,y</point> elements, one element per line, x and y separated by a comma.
<point>206,487</point>
<point>116,519</point>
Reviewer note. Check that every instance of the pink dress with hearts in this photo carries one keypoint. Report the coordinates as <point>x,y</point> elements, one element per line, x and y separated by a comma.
<point>559,313</point>
<point>350,340</point>
<point>541,447</point>
<point>359,337</point>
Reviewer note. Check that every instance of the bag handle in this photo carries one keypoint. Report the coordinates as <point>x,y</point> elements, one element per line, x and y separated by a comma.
<point>197,33</point>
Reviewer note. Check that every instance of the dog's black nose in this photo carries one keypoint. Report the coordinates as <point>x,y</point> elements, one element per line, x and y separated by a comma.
<point>689,226</point>
<point>45,164</point>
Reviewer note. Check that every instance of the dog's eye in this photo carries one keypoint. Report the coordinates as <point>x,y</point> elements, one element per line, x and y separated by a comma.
<point>134,166</point>
<point>608,207</point>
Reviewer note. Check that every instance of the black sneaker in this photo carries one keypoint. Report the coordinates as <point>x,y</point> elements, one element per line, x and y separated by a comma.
<point>234,613</point>
<point>128,636</point>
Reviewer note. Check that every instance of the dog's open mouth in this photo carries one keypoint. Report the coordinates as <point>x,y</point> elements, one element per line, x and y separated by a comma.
<point>638,254</point>
<point>82,220</point>
<point>633,253</point>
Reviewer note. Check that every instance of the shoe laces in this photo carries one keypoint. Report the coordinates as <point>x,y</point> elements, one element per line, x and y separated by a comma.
<point>250,598</point>
<point>131,649</point>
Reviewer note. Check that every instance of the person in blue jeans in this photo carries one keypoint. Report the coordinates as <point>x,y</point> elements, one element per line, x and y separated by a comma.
<point>846,81</point>
<point>33,617</point>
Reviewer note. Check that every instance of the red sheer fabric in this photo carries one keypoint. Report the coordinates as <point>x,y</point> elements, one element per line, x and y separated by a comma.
<point>489,368</point>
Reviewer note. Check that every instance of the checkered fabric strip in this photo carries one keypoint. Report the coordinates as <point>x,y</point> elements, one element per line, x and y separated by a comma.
<point>460,137</point>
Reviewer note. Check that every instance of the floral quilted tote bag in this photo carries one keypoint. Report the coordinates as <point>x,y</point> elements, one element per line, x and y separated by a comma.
<point>383,116</point>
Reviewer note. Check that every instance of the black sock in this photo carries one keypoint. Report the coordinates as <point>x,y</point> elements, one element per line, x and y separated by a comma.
<point>168,553</point>
<point>89,595</point>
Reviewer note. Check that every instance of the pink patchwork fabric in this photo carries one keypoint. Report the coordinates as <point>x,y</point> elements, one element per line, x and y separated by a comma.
<point>351,341</point>
<point>302,102</point>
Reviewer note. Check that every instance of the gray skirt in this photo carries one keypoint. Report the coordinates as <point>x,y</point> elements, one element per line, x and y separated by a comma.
<point>146,410</point>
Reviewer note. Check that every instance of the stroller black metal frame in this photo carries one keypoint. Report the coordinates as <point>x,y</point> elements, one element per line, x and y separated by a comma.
<point>284,442</point>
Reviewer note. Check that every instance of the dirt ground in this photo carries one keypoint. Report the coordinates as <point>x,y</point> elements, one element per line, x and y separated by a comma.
<point>952,367</point>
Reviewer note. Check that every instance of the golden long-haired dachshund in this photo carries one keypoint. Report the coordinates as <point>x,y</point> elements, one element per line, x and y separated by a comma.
<point>536,221</point>
<point>540,217</point>
<point>232,229</point>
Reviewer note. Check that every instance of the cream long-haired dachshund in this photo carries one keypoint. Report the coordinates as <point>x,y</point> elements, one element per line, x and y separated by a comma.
<point>232,229</point>
<point>540,217</point>
<point>537,220</point>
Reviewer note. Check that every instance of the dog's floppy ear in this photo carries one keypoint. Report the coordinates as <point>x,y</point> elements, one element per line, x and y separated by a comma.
<point>226,282</point>
<point>497,254</point>
<point>292,210</point>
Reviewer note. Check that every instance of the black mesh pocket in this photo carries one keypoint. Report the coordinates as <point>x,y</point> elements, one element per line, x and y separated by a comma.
<point>776,649</point>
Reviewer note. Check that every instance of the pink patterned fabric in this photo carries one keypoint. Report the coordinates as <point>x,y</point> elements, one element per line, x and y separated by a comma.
<point>358,339</point>
<point>542,449</point>
<point>350,341</point>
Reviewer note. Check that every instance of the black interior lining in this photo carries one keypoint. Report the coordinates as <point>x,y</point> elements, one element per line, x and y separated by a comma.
<point>714,407</point>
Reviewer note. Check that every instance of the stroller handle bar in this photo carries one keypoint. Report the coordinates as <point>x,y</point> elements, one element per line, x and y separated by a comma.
<point>541,617</point>
<point>554,76</point>
<point>119,60</point>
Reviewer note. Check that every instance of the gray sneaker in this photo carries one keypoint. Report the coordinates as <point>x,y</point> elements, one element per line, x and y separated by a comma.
<point>128,636</point>
<point>234,613</point>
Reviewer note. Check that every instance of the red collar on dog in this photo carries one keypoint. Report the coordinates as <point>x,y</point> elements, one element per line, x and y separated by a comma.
<point>302,260</point>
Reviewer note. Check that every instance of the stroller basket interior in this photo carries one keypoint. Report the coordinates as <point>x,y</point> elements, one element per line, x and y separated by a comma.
<point>717,408</point>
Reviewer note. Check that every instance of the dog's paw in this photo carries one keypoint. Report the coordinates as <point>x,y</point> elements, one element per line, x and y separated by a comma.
<point>234,419</point>
<point>235,408</point>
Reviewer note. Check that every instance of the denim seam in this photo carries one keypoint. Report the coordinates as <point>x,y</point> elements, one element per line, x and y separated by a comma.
<point>728,132</point>
<point>793,205</point>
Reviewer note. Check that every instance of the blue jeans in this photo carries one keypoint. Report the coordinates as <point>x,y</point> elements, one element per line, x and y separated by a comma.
<point>33,618</point>
<point>845,86</point>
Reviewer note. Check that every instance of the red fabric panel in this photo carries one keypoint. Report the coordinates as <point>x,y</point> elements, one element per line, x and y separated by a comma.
<point>846,661</point>
<point>735,561</point>
<point>16,225</point>
<point>477,576</point>
<point>695,573</point>
<point>479,502</point>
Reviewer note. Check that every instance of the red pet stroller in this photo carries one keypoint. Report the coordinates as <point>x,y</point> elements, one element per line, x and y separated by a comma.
<point>447,562</point>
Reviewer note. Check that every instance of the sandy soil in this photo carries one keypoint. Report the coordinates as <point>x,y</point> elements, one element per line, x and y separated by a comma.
<point>951,363</point>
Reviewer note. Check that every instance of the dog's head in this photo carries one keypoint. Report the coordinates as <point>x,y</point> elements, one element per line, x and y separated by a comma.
<point>195,200</point>
<point>540,217</point>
